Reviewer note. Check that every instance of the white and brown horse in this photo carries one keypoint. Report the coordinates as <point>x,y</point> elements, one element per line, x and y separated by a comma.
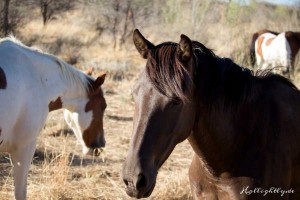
<point>272,49</point>
<point>32,84</point>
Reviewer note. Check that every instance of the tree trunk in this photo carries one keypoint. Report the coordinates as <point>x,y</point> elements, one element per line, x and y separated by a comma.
<point>6,25</point>
<point>44,9</point>
<point>116,8</point>
<point>44,4</point>
<point>128,13</point>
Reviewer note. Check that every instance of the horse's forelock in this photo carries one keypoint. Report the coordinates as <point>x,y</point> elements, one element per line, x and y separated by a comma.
<point>167,73</point>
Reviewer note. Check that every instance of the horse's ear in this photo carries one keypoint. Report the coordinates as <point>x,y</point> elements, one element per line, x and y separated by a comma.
<point>99,81</point>
<point>89,71</point>
<point>142,44</point>
<point>185,49</point>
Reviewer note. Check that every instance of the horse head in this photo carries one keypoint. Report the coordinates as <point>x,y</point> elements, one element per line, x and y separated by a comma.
<point>164,110</point>
<point>86,119</point>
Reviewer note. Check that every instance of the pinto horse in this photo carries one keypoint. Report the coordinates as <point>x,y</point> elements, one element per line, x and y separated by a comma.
<point>272,49</point>
<point>32,84</point>
<point>243,128</point>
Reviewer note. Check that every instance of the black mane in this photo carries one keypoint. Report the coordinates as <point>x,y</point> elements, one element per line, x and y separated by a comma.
<point>221,78</point>
<point>167,73</point>
<point>214,77</point>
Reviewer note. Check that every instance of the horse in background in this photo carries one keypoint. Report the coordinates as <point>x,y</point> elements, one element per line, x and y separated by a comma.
<point>272,49</point>
<point>244,129</point>
<point>32,84</point>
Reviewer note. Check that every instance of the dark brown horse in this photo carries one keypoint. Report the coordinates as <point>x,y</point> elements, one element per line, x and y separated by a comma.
<point>259,48</point>
<point>244,129</point>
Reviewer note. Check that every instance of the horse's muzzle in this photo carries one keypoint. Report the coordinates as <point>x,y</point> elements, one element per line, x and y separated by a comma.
<point>140,185</point>
<point>95,151</point>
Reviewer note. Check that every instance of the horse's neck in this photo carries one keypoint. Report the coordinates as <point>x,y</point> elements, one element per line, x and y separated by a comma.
<point>214,134</point>
<point>45,73</point>
<point>61,89</point>
<point>213,140</point>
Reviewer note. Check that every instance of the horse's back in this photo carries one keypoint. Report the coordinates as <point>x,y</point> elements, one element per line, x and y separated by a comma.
<point>284,110</point>
<point>16,63</point>
<point>260,44</point>
<point>281,44</point>
<point>22,67</point>
<point>275,50</point>
<point>21,97</point>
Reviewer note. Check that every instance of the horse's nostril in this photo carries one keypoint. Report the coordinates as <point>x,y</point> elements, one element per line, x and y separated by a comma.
<point>141,182</point>
<point>102,143</point>
<point>126,182</point>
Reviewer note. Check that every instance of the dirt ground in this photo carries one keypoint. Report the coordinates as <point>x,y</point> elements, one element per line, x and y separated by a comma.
<point>60,170</point>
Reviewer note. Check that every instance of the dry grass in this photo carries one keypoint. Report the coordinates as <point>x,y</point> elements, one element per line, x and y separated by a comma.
<point>59,170</point>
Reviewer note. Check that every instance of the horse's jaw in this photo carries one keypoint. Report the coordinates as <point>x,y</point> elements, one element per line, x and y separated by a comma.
<point>92,152</point>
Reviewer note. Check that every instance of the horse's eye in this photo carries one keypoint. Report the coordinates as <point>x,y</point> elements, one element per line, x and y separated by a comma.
<point>176,102</point>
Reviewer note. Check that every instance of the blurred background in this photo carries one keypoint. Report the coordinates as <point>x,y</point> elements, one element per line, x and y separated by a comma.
<point>83,32</point>
<point>98,34</point>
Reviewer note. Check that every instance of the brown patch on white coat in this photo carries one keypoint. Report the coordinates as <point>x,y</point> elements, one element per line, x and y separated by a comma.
<point>252,46</point>
<point>259,46</point>
<point>0,135</point>
<point>3,82</point>
<point>97,105</point>
<point>55,105</point>
<point>269,41</point>
<point>93,136</point>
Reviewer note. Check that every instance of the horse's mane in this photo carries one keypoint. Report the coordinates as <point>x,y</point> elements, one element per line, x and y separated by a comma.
<point>73,75</point>
<point>167,73</point>
<point>13,39</point>
<point>220,77</point>
<point>214,76</point>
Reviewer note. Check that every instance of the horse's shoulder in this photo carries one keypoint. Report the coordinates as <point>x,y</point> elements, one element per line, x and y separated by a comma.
<point>8,44</point>
<point>10,47</point>
<point>14,45</point>
<point>11,41</point>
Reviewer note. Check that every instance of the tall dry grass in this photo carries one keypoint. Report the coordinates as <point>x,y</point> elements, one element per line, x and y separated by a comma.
<point>59,170</point>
